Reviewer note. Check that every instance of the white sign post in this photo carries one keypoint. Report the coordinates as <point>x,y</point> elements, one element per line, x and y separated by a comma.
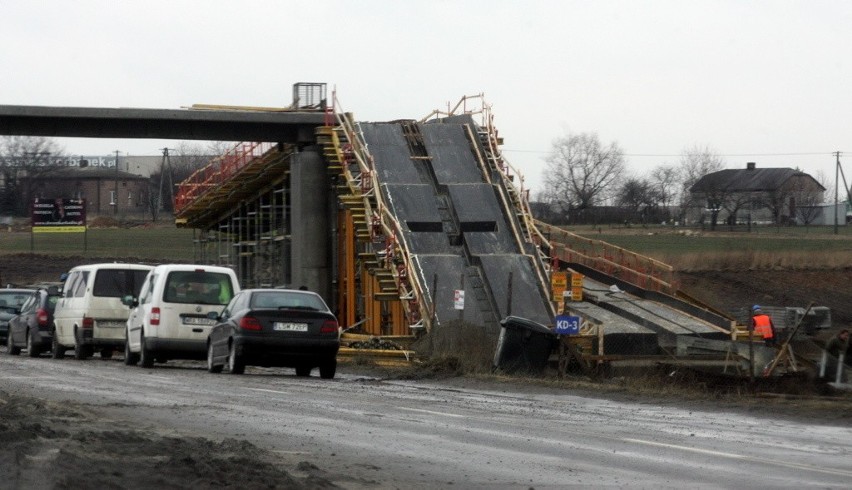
<point>458,299</point>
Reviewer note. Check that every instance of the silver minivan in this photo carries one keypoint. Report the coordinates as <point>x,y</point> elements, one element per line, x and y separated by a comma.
<point>90,315</point>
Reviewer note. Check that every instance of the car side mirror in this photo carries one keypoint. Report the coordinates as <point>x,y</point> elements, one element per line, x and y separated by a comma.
<point>129,301</point>
<point>213,315</point>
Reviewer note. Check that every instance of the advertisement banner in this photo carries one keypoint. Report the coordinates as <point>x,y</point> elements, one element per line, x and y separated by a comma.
<point>58,215</point>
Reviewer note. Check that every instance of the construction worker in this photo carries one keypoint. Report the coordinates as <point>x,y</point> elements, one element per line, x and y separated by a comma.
<point>761,324</point>
<point>840,344</point>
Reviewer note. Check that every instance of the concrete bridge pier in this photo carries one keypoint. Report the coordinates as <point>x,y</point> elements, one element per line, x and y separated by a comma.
<point>312,215</point>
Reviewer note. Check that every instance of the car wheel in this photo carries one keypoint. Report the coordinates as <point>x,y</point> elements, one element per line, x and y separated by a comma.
<point>145,355</point>
<point>235,361</point>
<point>32,349</point>
<point>106,354</point>
<point>10,345</point>
<point>328,368</point>
<point>303,371</point>
<point>211,366</point>
<point>57,351</point>
<point>130,358</point>
<point>82,351</point>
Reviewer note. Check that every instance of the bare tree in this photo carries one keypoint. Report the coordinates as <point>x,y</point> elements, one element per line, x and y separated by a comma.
<point>695,163</point>
<point>733,202</point>
<point>664,180</point>
<point>218,148</point>
<point>823,180</point>
<point>808,210</point>
<point>22,160</point>
<point>582,172</point>
<point>806,198</point>
<point>639,196</point>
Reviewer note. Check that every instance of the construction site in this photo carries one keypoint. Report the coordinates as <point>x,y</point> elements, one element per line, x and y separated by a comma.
<point>410,226</point>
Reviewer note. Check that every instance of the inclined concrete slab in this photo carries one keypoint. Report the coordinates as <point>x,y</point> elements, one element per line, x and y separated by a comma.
<point>441,276</point>
<point>451,155</point>
<point>527,299</point>
<point>391,155</point>
<point>621,336</point>
<point>412,203</point>
<point>666,321</point>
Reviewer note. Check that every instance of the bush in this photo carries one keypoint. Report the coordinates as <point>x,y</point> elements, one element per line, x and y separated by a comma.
<point>457,347</point>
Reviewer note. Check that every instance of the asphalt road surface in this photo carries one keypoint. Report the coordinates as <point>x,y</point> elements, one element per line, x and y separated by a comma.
<point>368,433</point>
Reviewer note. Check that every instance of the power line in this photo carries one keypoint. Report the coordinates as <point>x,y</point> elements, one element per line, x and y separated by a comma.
<point>737,154</point>
<point>822,153</point>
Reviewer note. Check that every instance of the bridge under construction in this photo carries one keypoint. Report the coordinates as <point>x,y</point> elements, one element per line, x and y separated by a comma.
<point>403,226</point>
<point>410,224</point>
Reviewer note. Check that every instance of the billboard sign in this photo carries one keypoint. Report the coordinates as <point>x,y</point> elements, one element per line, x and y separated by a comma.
<point>58,215</point>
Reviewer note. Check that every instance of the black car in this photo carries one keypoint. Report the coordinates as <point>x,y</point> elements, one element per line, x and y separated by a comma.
<point>32,328</point>
<point>275,327</point>
<point>11,301</point>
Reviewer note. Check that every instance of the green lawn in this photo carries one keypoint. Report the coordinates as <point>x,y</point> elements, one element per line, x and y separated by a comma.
<point>176,244</point>
<point>816,245</point>
<point>149,243</point>
<point>675,244</point>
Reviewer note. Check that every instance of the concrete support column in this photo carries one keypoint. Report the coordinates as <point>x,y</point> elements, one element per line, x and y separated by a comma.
<point>310,227</point>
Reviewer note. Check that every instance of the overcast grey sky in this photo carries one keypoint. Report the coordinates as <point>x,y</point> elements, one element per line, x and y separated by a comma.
<point>763,81</point>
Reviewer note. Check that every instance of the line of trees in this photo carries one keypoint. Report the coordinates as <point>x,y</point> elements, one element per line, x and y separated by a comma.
<point>587,181</point>
<point>22,159</point>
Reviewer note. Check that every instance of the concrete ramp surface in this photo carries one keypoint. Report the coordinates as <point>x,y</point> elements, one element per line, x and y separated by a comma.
<point>455,227</point>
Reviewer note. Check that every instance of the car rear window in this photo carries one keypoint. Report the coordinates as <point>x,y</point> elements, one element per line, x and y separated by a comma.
<point>52,299</point>
<point>116,283</point>
<point>282,299</point>
<point>14,300</point>
<point>198,287</point>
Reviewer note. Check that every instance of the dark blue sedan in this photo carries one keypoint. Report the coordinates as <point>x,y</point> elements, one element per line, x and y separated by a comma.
<point>275,327</point>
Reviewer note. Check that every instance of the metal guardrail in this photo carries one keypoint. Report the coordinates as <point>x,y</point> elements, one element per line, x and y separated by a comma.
<point>366,183</point>
<point>640,270</point>
<point>217,172</point>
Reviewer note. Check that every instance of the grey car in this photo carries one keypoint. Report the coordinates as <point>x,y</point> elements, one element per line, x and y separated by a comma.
<point>11,301</point>
<point>32,329</point>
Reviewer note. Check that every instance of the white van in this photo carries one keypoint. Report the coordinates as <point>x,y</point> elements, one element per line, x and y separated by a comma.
<point>174,312</point>
<point>90,315</point>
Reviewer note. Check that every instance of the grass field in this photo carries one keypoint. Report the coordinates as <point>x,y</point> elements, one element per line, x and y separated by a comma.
<point>763,247</point>
<point>686,249</point>
<point>160,243</point>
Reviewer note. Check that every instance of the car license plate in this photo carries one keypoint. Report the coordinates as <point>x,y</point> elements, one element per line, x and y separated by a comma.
<point>105,324</point>
<point>290,327</point>
<point>194,320</point>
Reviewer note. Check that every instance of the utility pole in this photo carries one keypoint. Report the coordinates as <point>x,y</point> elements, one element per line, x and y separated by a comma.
<point>115,192</point>
<point>166,161</point>
<point>837,192</point>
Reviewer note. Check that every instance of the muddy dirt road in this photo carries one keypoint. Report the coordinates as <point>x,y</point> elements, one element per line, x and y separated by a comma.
<point>101,424</point>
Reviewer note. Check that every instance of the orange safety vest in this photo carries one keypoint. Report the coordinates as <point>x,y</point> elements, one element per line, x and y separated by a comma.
<point>763,325</point>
